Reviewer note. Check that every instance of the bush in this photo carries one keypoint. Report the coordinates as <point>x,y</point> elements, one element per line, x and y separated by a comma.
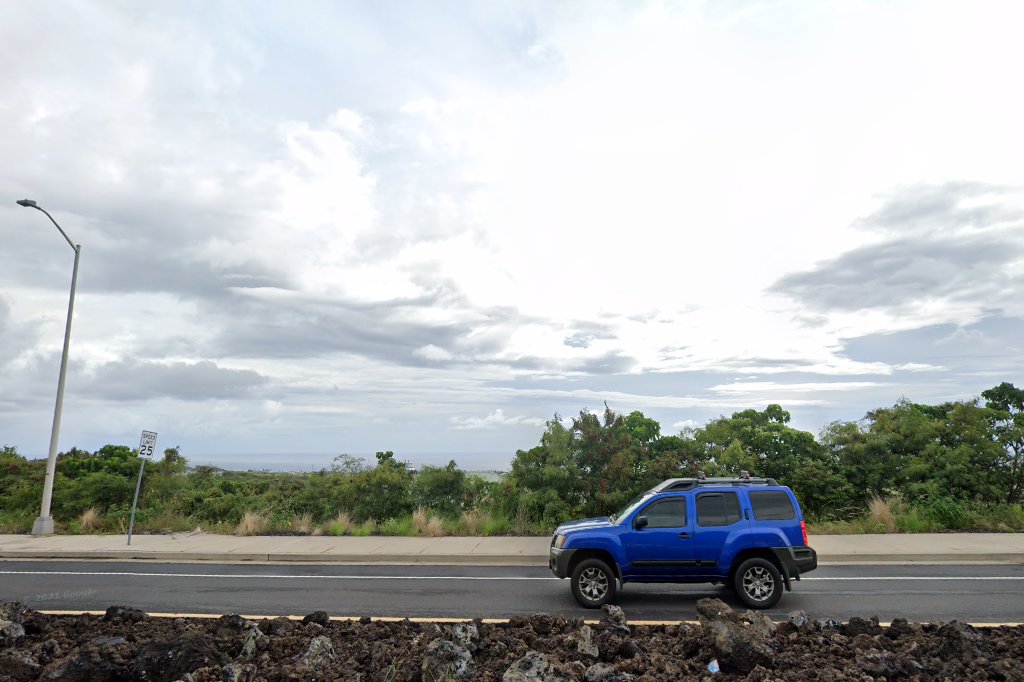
<point>947,513</point>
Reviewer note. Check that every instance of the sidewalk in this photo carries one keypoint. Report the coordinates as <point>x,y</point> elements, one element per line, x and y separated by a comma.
<point>489,551</point>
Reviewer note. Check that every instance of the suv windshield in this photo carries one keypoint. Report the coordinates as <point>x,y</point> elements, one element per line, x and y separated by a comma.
<point>628,509</point>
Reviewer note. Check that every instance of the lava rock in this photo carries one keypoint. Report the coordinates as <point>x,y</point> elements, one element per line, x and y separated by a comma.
<point>541,623</point>
<point>876,662</point>
<point>318,617</point>
<point>319,653</point>
<point>124,614</point>
<point>857,626</point>
<point>827,624</point>
<point>444,660</point>
<point>10,633</point>
<point>602,672</point>
<point>13,611</point>
<point>798,619</point>
<point>467,636</point>
<point>961,641</point>
<point>230,626</point>
<point>18,666</point>
<point>615,617</point>
<point>535,667</point>
<point>252,642</point>
<point>584,640</point>
<point>233,672</point>
<point>277,626</point>
<point>737,647</point>
<point>167,660</point>
<point>760,623</point>
<point>901,627</point>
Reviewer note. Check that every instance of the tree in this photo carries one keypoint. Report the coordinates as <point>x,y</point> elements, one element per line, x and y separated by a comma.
<point>173,462</point>
<point>1006,405</point>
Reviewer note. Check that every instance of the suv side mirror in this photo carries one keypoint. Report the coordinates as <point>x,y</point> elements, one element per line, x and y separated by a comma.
<point>640,522</point>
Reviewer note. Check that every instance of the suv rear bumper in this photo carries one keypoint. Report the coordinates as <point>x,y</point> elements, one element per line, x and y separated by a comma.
<point>795,561</point>
<point>558,561</point>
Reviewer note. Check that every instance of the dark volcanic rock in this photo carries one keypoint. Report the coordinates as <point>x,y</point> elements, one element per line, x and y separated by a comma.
<point>318,617</point>
<point>541,623</point>
<point>615,617</point>
<point>167,660</point>
<point>535,666</point>
<point>86,647</point>
<point>858,626</point>
<point>602,672</point>
<point>444,660</point>
<point>738,647</point>
<point>124,614</point>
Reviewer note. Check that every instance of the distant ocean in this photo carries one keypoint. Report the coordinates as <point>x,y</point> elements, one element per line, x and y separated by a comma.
<point>307,462</point>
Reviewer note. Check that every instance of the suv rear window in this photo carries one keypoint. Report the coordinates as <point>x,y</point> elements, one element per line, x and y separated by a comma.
<point>717,509</point>
<point>772,506</point>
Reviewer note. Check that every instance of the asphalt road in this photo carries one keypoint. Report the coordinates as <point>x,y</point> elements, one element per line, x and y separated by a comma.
<point>971,593</point>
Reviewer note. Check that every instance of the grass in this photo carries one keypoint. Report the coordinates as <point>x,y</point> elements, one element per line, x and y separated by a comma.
<point>932,516</point>
<point>341,525</point>
<point>302,524</point>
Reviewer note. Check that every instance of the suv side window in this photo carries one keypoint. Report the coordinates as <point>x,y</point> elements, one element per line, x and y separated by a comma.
<point>670,513</point>
<point>772,505</point>
<point>718,509</point>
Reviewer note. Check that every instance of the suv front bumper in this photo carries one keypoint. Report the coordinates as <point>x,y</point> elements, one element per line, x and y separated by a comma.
<point>558,561</point>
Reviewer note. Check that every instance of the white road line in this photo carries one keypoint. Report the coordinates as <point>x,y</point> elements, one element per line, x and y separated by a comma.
<point>271,576</point>
<point>920,577</point>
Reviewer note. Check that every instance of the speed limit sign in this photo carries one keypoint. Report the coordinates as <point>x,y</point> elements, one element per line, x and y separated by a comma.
<point>146,444</point>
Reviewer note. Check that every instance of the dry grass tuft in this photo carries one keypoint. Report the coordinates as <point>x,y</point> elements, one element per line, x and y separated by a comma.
<point>341,525</point>
<point>473,521</point>
<point>252,523</point>
<point>435,528</point>
<point>420,525</point>
<point>880,513</point>
<point>90,520</point>
<point>303,525</point>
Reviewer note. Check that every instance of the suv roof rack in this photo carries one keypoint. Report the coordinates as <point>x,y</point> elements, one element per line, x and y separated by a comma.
<point>690,483</point>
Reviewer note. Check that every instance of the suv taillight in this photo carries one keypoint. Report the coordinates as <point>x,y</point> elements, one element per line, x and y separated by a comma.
<point>803,529</point>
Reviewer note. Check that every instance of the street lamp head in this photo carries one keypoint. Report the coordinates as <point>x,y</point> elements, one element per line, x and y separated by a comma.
<point>27,203</point>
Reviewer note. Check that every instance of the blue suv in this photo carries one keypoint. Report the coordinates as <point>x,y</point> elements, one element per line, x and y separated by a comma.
<point>746,533</point>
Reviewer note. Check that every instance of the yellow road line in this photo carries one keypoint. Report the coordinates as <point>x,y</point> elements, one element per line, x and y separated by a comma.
<point>493,621</point>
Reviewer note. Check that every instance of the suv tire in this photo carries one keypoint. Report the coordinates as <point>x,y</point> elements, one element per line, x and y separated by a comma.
<point>593,583</point>
<point>758,583</point>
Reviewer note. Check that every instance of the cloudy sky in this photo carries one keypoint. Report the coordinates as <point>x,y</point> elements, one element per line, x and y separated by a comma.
<point>331,227</point>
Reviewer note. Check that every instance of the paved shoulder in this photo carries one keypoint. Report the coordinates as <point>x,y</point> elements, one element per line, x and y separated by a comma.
<point>489,551</point>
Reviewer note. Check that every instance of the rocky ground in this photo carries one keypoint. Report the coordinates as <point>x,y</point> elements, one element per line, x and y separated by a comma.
<point>126,644</point>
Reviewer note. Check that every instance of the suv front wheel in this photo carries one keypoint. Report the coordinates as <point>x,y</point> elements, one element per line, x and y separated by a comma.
<point>593,583</point>
<point>758,583</point>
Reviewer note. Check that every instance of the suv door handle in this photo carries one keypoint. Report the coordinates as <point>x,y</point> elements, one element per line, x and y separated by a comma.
<point>684,535</point>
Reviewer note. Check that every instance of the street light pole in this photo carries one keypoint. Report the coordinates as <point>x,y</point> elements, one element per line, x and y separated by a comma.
<point>44,524</point>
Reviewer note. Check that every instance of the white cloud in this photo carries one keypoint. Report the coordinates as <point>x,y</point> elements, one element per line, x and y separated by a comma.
<point>492,420</point>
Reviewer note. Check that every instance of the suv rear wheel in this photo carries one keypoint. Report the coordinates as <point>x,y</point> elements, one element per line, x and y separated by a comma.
<point>593,583</point>
<point>758,583</point>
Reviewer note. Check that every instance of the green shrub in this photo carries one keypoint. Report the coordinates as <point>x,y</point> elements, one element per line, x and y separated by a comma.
<point>947,513</point>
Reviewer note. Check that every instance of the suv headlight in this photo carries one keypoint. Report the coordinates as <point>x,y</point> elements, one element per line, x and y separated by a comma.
<point>560,541</point>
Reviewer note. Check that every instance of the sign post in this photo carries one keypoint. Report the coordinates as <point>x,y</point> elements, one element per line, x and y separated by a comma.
<point>146,445</point>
